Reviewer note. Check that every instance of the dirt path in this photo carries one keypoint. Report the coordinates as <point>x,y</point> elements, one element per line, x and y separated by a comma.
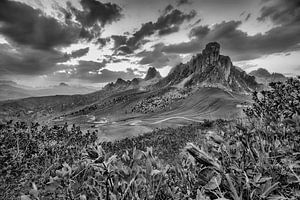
<point>185,118</point>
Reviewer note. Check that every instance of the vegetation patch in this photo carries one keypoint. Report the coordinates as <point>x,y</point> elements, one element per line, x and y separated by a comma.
<point>253,159</point>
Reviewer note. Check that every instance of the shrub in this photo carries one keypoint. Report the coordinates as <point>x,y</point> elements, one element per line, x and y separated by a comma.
<point>280,103</point>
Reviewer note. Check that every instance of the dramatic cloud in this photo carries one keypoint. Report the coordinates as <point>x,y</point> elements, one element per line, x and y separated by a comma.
<point>238,44</point>
<point>167,23</point>
<point>95,12</point>
<point>27,26</point>
<point>80,52</point>
<point>173,19</point>
<point>102,41</point>
<point>167,9</point>
<point>35,39</point>
<point>282,12</point>
<point>34,35</point>
<point>157,58</point>
<point>28,61</point>
<point>119,40</point>
<point>183,2</point>
<point>200,32</point>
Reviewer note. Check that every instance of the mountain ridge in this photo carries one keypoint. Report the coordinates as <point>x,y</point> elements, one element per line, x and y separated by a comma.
<point>263,76</point>
<point>210,69</point>
<point>151,77</point>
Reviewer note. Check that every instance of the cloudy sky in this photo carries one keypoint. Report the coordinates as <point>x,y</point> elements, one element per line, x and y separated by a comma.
<point>43,42</point>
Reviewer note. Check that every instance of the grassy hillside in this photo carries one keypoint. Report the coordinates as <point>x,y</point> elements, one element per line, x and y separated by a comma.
<point>254,159</point>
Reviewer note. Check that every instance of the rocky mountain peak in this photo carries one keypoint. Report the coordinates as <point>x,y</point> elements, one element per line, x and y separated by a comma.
<point>120,81</point>
<point>152,73</point>
<point>211,53</point>
<point>210,69</point>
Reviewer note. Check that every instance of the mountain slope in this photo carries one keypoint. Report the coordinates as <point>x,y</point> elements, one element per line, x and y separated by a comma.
<point>210,69</point>
<point>208,86</point>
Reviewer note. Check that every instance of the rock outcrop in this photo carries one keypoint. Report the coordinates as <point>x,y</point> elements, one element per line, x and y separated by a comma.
<point>120,84</point>
<point>152,77</point>
<point>210,69</point>
<point>151,74</point>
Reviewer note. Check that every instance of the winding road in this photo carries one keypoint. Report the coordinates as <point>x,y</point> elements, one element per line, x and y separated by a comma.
<point>163,120</point>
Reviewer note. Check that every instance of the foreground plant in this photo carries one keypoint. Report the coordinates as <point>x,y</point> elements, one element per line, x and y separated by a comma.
<point>257,160</point>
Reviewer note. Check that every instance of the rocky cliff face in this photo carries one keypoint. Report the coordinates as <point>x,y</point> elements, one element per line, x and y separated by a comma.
<point>210,69</point>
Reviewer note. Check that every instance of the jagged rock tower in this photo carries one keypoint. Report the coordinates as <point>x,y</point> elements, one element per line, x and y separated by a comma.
<point>152,73</point>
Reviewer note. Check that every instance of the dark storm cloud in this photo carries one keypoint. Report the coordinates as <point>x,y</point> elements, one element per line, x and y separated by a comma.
<point>157,58</point>
<point>281,12</point>
<point>166,24</point>
<point>123,50</point>
<point>119,40</point>
<point>35,38</point>
<point>169,30</point>
<point>200,31</point>
<point>238,44</point>
<point>27,26</point>
<point>95,12</point>
<point>167,9</point>
<point>79,53</point>
<point>183,2</point>
<point>102,41</point>
<point>192,46</point>
<point>174,18</point>
<point>28,61</point>
<point>147,29</point>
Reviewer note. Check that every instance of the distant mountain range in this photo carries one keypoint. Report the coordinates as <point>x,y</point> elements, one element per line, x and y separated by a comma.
<point>264,76</point>
<point>12,90</point>
<point>207,69</point>
<point>207,86</point>
<point>151,78</point>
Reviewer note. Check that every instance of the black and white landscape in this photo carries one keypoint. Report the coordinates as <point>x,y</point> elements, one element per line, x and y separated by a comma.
<point>139,99</point>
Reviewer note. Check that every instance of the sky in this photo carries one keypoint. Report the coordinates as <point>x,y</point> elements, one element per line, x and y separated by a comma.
<point>93,42</point>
